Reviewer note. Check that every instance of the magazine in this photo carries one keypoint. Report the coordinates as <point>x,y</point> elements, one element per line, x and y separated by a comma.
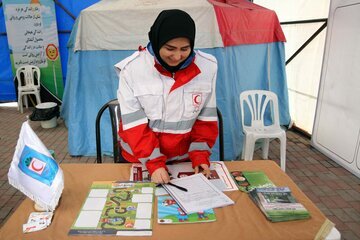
<point>278,204</point>
<point>116,208</point>
<point>169,212</point>
<point>220,175</point>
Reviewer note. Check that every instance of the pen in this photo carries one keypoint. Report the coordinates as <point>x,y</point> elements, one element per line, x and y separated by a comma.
<point>178,187</point>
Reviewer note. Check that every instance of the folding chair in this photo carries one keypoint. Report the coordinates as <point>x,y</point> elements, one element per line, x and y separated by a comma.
<point>221,135</point>
<point>114,110</point>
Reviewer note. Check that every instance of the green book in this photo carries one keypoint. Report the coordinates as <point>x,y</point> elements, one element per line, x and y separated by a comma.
<point>249,180</point>
<point>257,179</point>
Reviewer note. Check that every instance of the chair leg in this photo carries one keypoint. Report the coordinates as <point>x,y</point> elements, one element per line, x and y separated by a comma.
<point>20,103</point>
<point>283,152</point>
<point>26,101</point>
<point>265,148</point>
<point>249,148</point>
<point>243,148</point>
<point>38,100</point>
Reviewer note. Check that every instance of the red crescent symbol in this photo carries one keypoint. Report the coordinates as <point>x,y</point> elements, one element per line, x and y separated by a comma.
<point>36,169</point>
<point>196,99</point>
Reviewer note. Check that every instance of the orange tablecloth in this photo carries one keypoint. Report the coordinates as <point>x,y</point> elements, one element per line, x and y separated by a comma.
<point>240,221</point>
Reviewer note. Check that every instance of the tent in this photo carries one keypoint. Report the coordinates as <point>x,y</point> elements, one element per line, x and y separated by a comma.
<point>246,39</point>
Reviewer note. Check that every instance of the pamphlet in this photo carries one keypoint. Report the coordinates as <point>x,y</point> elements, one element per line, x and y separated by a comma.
<point>37,221</point>
<point>249,180</point>
<point>278,204</point>
<point>169,212</point>
<point>116,208</point>
<point>201,194</point>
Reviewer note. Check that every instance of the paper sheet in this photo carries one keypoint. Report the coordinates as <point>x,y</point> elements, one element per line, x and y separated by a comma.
<point>201,194</point>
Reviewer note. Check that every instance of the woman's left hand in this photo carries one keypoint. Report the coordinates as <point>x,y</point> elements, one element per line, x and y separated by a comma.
<point>203,168</point>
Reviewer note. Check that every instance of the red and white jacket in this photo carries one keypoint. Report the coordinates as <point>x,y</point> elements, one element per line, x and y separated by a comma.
<point>165,117</point>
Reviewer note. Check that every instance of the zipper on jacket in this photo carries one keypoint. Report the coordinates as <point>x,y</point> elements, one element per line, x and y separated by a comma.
<point>164,106</point>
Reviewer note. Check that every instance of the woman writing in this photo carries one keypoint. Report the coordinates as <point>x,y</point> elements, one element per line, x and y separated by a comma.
<point>167,99</point>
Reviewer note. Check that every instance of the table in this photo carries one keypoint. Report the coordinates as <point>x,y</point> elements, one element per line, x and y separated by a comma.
<point>240,221</point>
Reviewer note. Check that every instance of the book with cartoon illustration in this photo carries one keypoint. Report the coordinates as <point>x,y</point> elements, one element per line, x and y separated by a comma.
<point>116,208</point>
<point>169,212</point>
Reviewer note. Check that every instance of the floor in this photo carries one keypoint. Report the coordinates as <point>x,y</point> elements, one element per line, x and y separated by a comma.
<point>331,187</point>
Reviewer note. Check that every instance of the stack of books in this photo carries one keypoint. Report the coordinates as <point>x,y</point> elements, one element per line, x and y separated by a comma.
<point>278,204</point>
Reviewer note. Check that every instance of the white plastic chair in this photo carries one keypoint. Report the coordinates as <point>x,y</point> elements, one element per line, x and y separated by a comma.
<point>28,78</point>
<point>262,105</point>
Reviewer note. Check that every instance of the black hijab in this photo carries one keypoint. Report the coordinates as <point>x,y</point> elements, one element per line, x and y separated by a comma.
<point>168,25</point>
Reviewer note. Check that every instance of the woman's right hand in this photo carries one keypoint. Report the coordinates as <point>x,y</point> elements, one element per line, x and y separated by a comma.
<point>160,175</point>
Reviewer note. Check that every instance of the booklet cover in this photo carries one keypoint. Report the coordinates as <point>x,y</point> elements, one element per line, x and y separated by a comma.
<point>278,204</point>
<point>249,180</point>
<point>116,208</point>
<point>169,212</point>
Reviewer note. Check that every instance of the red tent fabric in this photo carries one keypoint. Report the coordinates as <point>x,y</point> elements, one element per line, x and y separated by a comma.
<point>243,22</point>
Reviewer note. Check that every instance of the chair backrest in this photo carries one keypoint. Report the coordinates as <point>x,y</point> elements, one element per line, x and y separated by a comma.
<point>28,75</point>
<point>260,103</point>
<point>115,115</point>
<point>221,135</point>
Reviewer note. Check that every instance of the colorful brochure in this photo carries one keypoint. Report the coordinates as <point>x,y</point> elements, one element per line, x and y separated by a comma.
<point>249,180</point>
<point>116,208</point>
<point>169,212</point>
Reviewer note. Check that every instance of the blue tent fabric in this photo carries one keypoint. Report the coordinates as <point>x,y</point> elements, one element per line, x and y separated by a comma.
<point>91,82</point>
<point>7,88</point>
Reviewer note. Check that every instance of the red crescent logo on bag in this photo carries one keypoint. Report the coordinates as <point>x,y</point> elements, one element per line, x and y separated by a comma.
<point>197,99</point>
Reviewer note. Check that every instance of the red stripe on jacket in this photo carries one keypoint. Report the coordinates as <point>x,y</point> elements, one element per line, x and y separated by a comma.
<point>203,131</point>
<point>143,141</point>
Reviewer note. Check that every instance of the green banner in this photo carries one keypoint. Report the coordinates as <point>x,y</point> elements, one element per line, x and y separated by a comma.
<point>32,35</point>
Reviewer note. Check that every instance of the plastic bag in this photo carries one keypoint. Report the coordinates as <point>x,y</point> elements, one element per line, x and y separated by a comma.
<point>45,114</point>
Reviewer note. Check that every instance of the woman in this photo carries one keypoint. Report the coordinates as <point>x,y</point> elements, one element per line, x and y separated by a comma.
<point>167,99</point>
